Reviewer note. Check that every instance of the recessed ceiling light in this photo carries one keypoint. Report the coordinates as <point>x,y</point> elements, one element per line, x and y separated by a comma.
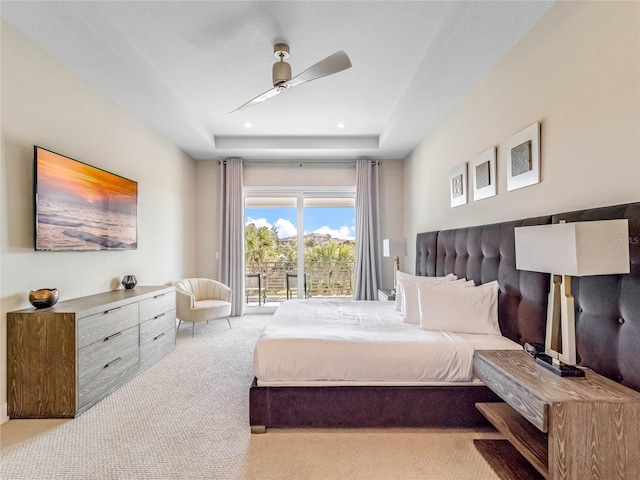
<point>248,125</point>
<point>340,125</point>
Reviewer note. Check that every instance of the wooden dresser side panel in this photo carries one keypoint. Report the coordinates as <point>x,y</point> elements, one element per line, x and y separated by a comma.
<point>41,364</point>
<point>595,440</point>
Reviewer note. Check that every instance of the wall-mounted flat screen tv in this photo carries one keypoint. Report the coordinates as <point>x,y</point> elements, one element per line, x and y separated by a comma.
<point>80,207</point>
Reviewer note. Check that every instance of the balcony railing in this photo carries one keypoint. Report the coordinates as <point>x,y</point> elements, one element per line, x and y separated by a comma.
<point>267,281</point>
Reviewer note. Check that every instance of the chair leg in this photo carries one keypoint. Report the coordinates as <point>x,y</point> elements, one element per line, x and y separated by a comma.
<point>229,322</point>
<point>179,323</point>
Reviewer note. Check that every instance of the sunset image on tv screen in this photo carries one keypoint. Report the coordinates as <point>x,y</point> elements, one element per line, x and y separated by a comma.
<point>80,207</point>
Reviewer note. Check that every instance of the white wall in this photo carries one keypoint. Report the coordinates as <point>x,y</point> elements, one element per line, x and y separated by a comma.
<point>44,103</point>
<point>286,174</point>
<point>578,73</point>
<point>391,218</point>
<point>208,218</point>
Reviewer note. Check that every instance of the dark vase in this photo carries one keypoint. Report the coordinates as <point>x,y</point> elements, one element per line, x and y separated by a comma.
<point>129,281</point>
<point>43,298</point>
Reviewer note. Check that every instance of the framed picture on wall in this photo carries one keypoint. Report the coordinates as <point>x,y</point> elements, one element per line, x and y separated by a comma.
<point>483,174</point>
<point>458,185</point>
<point>523,158</point>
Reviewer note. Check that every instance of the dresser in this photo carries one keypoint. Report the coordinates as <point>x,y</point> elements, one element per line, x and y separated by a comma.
<point>568,428</point>
<point>64,359</point>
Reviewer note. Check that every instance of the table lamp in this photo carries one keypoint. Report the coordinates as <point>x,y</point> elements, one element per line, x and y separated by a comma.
<point>396,249</point>
<point>568,250</point>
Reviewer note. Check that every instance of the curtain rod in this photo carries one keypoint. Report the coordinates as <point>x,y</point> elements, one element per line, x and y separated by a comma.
<point>300,162</point>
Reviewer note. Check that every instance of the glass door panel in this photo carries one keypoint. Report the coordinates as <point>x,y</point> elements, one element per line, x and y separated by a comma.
<point>284,261</point>
<point>271,249</point>
<point>329,246</point>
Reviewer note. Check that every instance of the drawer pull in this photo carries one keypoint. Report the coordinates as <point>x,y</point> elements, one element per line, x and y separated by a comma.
<point>112,336</point>
<point>159,316</point>
<point>107,312</point>
<point>112,362</point>
<point>161,295</point>
<point>161,335</point>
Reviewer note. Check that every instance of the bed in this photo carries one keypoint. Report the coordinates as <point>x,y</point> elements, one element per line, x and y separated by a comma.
<point>329,342</point>
<point>608,335</point>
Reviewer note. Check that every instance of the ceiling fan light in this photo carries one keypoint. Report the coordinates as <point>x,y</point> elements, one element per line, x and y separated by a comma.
<point>281,73</point>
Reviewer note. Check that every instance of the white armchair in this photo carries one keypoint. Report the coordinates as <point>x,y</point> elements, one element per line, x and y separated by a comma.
<point>200,299</point>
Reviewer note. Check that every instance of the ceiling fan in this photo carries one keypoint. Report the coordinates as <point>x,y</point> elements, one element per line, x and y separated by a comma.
<point>282,72</point>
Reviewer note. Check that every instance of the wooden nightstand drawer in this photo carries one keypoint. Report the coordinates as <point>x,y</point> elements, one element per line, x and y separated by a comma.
<point>521,398</point>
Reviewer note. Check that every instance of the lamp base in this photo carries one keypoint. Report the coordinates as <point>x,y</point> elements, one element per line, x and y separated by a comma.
<point>562,369</point>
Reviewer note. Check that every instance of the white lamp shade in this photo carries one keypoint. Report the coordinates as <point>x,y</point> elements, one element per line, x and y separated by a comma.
<point>577,249</point>
<point>394,248</point>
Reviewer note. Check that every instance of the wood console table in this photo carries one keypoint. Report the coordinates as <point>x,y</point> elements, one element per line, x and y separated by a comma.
<point>64,359</point>
<point>567,428</point>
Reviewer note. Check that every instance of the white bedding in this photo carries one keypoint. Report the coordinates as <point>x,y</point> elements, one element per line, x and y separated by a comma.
<point>323,341</point>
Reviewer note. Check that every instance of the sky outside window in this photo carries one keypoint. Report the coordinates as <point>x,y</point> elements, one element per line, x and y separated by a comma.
<point>339,222</point>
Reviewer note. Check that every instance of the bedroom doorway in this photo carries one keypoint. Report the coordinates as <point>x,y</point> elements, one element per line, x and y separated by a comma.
<point>283,261</point>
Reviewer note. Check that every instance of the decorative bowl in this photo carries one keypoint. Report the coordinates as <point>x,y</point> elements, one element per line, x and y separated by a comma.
<point>43,298</point>
<point>129,281</point>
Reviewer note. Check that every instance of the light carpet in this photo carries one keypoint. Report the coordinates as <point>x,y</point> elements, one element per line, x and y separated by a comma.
<point>187,417</point>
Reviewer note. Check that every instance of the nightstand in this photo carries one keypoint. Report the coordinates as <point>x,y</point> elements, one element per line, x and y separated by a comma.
<point>567,428</point>
<point>386,294</point>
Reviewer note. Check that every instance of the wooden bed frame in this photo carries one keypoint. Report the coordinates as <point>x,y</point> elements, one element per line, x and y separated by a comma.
<point>607,317</point>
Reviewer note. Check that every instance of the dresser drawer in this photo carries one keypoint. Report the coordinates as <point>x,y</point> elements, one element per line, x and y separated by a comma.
<point>156,305</point>
<point>157,347</point>
<point>97,385</point>
<point>521,398</point>
<point>102,325</point>
<point>94,357</point>
<point>153,327</point>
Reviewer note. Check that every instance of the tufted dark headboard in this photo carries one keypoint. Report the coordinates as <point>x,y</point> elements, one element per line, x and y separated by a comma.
<point>607,307</point>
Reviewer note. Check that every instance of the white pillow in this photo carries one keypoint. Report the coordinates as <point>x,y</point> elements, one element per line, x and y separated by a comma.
<point>411,296</point>
<point>405,279</point>
<point>402,277</point>
<point>461,310</point>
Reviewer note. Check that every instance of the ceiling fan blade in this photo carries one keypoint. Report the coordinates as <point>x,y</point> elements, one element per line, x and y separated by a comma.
<point>261,98</point>
<point>335,63</point>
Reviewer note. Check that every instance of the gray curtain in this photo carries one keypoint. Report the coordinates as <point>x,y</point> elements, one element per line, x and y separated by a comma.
<point>367,270</point>
<point>231,262</point>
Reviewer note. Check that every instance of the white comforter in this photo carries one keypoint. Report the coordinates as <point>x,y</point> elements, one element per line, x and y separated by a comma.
<point>343,340</point>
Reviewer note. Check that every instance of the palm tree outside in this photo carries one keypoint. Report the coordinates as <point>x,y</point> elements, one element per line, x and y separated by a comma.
<point>328,261</point>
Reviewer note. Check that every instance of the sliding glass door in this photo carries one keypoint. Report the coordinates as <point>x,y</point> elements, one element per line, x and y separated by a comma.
<point>284,261</point>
